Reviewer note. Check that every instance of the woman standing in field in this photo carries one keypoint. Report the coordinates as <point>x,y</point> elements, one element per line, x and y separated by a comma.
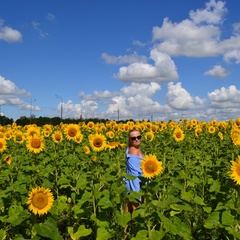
<point>134,156</point>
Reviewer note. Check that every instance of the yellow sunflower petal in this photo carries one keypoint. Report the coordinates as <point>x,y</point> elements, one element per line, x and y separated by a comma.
<point>235,170</point>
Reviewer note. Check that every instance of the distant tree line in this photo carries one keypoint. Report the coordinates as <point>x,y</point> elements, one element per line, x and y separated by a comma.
<point>40,121</point>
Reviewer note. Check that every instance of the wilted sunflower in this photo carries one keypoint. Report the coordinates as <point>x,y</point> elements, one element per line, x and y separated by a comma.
<point>3,144</point>
<point>40,200</point>
<point>97,142</point>
<point>178,134</point>
<point>35,144</point>
<point>151,166</point>
<point>235,170</point>
<point>57,136</point>
<point>71,130</point>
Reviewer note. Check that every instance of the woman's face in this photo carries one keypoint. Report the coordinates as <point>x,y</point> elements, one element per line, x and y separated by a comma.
<point>135,138</point>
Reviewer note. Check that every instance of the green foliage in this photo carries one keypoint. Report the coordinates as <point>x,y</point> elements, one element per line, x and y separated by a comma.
<point>194,198</point>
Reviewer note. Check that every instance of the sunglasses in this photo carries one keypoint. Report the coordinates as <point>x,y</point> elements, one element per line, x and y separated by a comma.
<point>135,138</point>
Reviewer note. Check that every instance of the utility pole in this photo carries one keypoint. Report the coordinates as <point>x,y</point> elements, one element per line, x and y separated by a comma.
<point>59,97</point>
<point>31,102</point>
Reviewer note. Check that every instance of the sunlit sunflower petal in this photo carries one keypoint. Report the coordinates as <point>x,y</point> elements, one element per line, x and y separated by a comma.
<point>3,144</point>
<point>235,170</point>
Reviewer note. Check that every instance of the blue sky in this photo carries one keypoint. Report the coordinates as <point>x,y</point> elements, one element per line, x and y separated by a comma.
<point>120,59</point>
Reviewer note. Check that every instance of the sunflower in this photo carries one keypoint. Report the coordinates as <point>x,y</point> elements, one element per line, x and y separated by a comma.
<point>71,131</point>
<point>110,134</point>
<point>97,142</point>
<point>57,136</point>
<point>235,170</point>
<point>163,126</point>
<point>2,135</point>
<point>46,133</point>
<point>86,149</point>
<point>35,144</point>
<point>78,138</point>
<point>40,200</point>
<point>94,158</point>
<point>189,126</point>
<point>236,139</point>
<point>112,145</point>
<point>33,130</point>
<point>8,159</point>
<point>151,166</point>
<point>220,135</point>
<point>214,122</point>
<point>90,125</point>
<point>18,136</point>
<point>3,144</point>
<point>48,127</point>
<point>198,131</point>
<point>178,134</point>
<point>194,122</point>
<point>149,136</point>
<point>211,129</point>
<point>8,134</point>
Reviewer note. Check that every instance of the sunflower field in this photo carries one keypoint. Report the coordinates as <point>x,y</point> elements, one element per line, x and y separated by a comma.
<point>66,181</point>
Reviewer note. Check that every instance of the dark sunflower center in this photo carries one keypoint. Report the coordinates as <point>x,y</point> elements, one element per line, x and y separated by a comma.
<point>151,167</point>
<point>35,143</point>
<point>57,137</point>
<point>19,138</point>
<point>72,132</point>
<point>178,134</point>
<point>98,143</point>
<point>238,170</point>
<point>40,200</point>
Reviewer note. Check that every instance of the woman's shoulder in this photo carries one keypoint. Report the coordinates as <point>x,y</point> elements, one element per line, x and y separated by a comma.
<point>134,152</point>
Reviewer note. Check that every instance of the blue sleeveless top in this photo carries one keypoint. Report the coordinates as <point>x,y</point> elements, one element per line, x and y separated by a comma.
<point>133,168</point>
